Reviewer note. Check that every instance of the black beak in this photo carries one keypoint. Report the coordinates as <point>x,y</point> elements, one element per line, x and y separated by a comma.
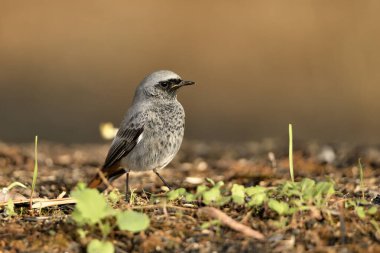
<point>182,83</point>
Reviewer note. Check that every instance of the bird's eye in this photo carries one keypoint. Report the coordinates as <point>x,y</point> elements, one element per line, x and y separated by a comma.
<point>164,84</point>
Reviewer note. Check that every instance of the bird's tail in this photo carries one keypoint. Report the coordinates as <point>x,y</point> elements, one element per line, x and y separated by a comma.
<point>95,182</point>
<point>105,174</point>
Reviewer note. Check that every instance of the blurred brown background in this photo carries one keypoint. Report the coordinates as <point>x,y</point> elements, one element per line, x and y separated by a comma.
<point>66,66</point>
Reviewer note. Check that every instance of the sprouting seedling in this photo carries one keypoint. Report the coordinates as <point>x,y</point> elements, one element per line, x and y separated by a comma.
<point>10,208</point>
<point>133,197</point>
<point>35,172</point>
<point>94,211</point>
<point>361,177</point>
<point>291,152</point>
<point>12,185</point>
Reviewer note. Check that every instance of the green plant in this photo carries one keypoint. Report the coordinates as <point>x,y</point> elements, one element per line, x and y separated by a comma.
<point>14,184</point>
<point>35,171</point>
<point>96,246</point>
<point>132,221</point>
<point>291,152</point>
<point>258,195</point>
<point>94,212</point>
<point>282,208</point>
<point>361,174</point>
<point>114,197</point>
<point>285,199</point>
<point>238,194</point>
<point>362,208</point>
<point>175,194</point>
<point>213,195</point>
<point>10,208</point>
<point>211,223</point>
<point>132,197</point>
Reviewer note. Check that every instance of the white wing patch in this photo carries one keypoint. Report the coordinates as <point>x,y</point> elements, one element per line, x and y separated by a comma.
<point>140,138</point>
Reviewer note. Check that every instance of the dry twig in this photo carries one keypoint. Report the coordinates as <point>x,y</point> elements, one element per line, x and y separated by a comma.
<point>228,221</point>
<point>162,206</point>
<point>54,202</point>
<point>41,203</point>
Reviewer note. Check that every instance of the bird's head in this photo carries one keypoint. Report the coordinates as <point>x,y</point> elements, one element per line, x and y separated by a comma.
<point>162,84</point>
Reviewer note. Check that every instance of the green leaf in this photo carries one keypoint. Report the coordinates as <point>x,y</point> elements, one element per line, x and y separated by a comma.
<point>212,195</point>
<point>219,184</point>
<point>105,228</point>
<point>360,212</point>
<point>96,246</point>
<point>281,223</point>
<point>82,233</point>
<point>324,188</point>
<point>257,199</point>
<point>363,202</point>
<point>81,186</point>
<point>132,221</point>
<point>238,194</point>
<point>372,210</point>
<point>190,197</point>
<point>280,207</point>
<point>349,203</point>
<point>212,182</point>
<point>255,190</point>
<point>201,189</point>
<point>114,196</point>
<point>292,210</point>
<point>91,206</point>
<point>176,194</point>
<point>223,200</point>
<point>291,189</point>
<point>10,208</point>
<point>307,186</point>
<point>209,224</point>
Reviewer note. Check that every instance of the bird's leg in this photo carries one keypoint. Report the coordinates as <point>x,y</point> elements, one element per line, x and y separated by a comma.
<point>162,179</point>
<point>127,185</point>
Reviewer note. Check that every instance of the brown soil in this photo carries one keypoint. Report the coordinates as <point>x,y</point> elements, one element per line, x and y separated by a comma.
<point>177,228</point>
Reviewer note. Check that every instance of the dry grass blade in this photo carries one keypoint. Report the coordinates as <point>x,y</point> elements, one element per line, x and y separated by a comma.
<point>23,201</point>
<point>41,203</point>
<point>54,202</point>
<point>228,221</point>
<point>164,206</point>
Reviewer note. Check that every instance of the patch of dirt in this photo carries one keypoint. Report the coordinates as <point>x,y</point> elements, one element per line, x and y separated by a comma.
<point>176,228</point>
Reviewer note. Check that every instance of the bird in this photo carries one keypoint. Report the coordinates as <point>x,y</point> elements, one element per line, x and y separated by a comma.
<point>151,133</point>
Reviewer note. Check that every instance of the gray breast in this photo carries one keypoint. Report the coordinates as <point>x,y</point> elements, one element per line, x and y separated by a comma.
<point>161,138</point>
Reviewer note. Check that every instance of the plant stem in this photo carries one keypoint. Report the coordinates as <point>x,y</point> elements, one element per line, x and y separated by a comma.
<point>291,152</point>
<point>35,173</point>
<point>361,177</point>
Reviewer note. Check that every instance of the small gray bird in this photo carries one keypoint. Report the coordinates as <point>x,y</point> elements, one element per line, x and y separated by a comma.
<point>152,131</point>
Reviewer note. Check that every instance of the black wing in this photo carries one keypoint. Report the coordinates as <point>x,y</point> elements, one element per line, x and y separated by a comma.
<point>124,142</point>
